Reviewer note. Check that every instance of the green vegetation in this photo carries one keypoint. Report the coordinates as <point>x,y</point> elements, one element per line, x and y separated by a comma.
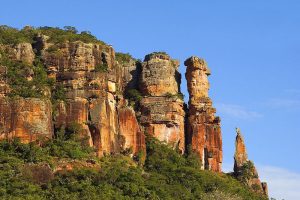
<point>178,95</point>
<point>158,52</point>
<point>247,172</point>
<point>27,173</point>
<point>58,93</point>
<point>9,35</point>
<point>26,80</point>
<point>101,67</point>
<point>123,57</point>
<point>69,33</point>
<point>134,96</point>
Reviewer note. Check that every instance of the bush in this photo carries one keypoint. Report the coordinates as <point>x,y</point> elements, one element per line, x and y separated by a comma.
<point>13,36</point>
<point>9,35</point>
<point>124,57</point>
<point>101,67</point>
<point>178,95</point>
<point>134,97</point>
<point>166,175</point>
<point>18,74</point>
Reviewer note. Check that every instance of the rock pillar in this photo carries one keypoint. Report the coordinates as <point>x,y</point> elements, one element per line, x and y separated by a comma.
<point>203,127</point>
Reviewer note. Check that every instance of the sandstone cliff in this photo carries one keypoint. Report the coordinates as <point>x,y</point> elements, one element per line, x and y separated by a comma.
<point>55,81</point>
<point>86,79</point>
<point>89,90</point>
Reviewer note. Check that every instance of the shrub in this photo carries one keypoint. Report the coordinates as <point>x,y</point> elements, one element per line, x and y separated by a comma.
<point>101,67</point>
<point>166,175</point>
<point>58,93</point>
<point>124,57</point>
<point>9,35</point>
<point>38,174</point>
<point>134,95</point>
<point>178,95</point>
<point>17,73</point>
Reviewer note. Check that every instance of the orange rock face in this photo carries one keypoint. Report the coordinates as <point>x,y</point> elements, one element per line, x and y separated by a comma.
<point>203,127</point>
<point>163,117</point>
<point>129,128</point>
<point>28,119</point>
<point>240,156</point>
<point>91,94</point>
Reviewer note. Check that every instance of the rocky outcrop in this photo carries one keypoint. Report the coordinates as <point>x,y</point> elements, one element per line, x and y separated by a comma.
<point>86,72</point>
<point>91,78</point>
<point>244,169</point>
<point>159,75</point>
<point>4,87</point>
<point>203,127</point>
<point>162,113</point>
<point>21,52</point>
<point>127,74</point>
<point>27,119</point>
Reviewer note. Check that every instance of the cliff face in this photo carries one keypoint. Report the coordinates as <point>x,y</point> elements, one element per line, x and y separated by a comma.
<point>244,169</point>
<point>203,127</point>
<point>91,91</point>
<point>94,82</point>
<point>90,99</point>
<point>89,77</point>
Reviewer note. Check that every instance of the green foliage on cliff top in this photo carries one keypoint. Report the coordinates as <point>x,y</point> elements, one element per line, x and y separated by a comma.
<point>26,80</point>
<point>165,175</point>
<point>124,57</point>
<point>9,35</point>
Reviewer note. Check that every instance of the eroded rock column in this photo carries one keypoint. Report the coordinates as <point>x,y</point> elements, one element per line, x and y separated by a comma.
<point>203,127</point>
<point>244,169</point>
<point>162,113</point>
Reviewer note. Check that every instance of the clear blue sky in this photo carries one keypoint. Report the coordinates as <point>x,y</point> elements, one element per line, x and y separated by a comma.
<point>252,48</point>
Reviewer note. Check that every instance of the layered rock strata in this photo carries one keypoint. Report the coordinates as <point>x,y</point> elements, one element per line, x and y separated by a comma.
<point>162,113</point>
<point>203,127</point>
<point>90,78</point>
<point>244,169</point>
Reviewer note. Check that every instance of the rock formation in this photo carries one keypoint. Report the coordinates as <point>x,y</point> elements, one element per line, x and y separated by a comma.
<point>91,91</point>
<point>244,169</point>
<point>203,127</point>
<point>162,113</point>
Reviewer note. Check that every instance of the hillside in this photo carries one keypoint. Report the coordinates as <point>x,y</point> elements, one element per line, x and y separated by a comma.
<point>79,121</point>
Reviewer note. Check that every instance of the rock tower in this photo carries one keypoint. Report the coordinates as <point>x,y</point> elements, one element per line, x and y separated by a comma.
<point>203,127</point>
<point>162,104</point>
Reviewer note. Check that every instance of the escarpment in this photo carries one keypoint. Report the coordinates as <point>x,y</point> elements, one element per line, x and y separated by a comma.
<point>111,99</point>
<point>61,82</point>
